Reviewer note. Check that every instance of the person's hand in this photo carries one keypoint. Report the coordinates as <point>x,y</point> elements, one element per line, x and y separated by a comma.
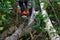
<point>27,11</point>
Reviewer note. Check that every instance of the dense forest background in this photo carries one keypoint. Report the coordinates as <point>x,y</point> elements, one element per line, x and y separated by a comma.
<point>43,24</point>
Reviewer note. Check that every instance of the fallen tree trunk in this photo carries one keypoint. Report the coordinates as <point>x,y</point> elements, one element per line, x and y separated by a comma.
<point>16,34</point>
<point>9,31</point>
<point>49,27</point>
<point>33,15</point>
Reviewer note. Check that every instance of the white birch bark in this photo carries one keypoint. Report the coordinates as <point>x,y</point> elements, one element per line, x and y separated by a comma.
<point>49,27</point>
<point>34,13</point>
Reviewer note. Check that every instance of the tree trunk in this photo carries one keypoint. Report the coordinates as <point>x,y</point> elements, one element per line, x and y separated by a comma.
<point>49,27</point>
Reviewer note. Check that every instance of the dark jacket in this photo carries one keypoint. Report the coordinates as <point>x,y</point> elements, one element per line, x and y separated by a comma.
<point>28,2</point>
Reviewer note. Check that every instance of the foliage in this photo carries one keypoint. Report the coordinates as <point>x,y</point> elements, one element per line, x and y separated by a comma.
<point>55,4</point>
<point>7,16</point>
<point>6,13</point>
<point>40,24</point>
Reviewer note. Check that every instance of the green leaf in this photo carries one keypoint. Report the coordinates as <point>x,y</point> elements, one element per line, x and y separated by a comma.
<point>58,3</point>
<point>45,6</point>
<point>50,15</point>
<point>0,22</point>
<point>3,17</point>
<point>1,28</point>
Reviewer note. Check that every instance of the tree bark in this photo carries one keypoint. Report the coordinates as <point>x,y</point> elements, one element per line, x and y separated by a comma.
<point>49,27</point>
<point>16,34</point>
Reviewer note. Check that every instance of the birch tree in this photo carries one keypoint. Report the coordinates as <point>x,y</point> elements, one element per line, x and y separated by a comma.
<point>49,27</point>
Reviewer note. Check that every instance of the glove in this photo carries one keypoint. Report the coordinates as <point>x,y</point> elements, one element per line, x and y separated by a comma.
<point>24,13</point>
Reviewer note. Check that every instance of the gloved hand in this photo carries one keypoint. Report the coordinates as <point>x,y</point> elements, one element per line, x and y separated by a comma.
<point>24,13</point>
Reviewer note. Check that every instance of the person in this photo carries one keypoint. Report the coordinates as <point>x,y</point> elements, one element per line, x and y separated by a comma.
<point>24,7</point>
